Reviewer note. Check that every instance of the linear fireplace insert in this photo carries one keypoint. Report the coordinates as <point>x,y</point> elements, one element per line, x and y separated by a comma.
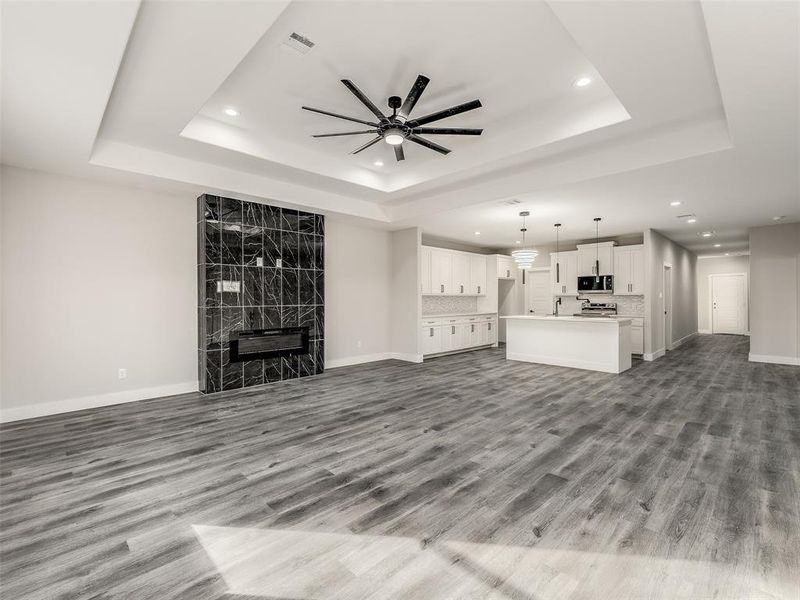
<point>268,343</point>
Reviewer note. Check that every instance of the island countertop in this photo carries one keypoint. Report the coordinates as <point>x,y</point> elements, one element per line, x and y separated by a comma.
<point>569,318</point>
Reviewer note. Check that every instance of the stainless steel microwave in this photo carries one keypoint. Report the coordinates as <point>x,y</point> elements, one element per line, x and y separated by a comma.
<point>596,285</point>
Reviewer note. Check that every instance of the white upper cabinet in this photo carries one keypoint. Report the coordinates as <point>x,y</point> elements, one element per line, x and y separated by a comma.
<point>441,271</point>
<point>506,268</point>
<point>425,270</point>
<point>451,272</point>
<point>460,273</point>
<point>629,270</point>
<point>477,274</point>
<point>564,273</point>
<point>588,254</point>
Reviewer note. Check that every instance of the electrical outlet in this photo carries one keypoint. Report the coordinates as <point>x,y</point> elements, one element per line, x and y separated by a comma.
<point>122,374</point>
<point>278,262</point>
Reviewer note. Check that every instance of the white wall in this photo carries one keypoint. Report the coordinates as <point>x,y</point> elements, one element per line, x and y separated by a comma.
<point>96,277</point>
<point>358,267</point>
<point>406,302</point>
<point>658,251</point>
<point>775,294</point>
<point>716,266</point>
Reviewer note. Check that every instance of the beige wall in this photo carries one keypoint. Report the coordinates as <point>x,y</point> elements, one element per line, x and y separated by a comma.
<point>775,293</point>
<point>658,251</point>
<point>406,302</point>
<point>96,277</point>
<point>358,263</point>
<point>716,266</point>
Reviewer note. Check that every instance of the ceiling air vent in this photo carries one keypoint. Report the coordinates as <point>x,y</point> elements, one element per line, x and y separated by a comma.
<point>510,202</point>
<point>297,42</point>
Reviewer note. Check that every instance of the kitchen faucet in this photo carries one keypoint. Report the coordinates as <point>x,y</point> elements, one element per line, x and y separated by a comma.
<point>557,302</point>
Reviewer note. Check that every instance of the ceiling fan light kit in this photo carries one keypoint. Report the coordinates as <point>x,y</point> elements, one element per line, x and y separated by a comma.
<point>396,128</point>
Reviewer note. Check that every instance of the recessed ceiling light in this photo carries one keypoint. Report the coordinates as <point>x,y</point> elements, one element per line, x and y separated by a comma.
<point>717,245</point>
<point>781,218</point>
<point>675,203</point>
<point>378,163</point>
<point>691,220</point>
<point>583,81</point>
<point>707,233</point>
<point>477,233</point>
<point>727,254</point>
<point>231,112</point>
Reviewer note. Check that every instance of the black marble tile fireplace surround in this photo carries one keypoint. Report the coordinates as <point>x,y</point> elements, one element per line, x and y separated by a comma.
<point>259,267</point>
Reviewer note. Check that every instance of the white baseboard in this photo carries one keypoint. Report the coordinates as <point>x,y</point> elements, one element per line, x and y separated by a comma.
<point>650,356</point>
<point>683,340</point>
<point>367,358</point>
<point>357,360</point>
<point>778,360</point>
<point>406,356</point>
<point>43,409</point>
<point>704,331</point>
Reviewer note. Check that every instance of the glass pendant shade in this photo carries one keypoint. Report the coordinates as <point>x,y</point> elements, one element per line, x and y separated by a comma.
<point>524,257</point>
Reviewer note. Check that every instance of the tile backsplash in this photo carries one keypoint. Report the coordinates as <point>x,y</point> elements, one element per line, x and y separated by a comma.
<point>629,306</point>
<point>447,305</point>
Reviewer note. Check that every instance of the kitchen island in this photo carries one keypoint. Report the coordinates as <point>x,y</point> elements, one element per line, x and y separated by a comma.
<point>593,343</point>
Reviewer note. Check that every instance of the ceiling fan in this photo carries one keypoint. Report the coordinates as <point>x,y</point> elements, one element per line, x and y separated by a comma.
<point>397,127</point>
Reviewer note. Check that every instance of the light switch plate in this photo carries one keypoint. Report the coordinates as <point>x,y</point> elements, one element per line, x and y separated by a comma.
<point>259,262</point>
<point>278,262</point>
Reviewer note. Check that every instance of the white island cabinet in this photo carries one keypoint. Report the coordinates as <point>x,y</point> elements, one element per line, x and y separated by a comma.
<point>596,344</point>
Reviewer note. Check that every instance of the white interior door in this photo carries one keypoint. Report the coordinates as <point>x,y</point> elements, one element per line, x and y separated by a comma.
<point>540,296</point>
<point>728,299</point>
<point>667,307</point>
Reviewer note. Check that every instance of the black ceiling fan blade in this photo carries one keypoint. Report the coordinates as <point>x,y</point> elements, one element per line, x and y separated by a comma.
<point>443,114</point>
<point>330,114</point>
<point>366,101</point>
<point>345,133</point>
<point>398,153</point>
<point>413,96</point>
<point>446,131</point>
<point>367,145</point>
<point>428,144</point>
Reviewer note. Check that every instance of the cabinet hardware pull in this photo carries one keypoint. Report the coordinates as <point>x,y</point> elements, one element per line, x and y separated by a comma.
<point>462,289</point>
<point>558,278</point>
<point>442,286</point>
<point>490,326</point>
<point>431,332</point>
<point>479,289</point>
<point>472,329</point>
<point>453,330</point>
<point>508,273</point>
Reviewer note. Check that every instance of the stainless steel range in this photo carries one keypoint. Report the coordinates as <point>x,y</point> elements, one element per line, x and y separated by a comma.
<point>597,309</point>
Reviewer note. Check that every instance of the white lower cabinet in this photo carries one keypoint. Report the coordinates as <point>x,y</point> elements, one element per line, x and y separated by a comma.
<point>637,336</point>
<point>458,332</point>
<point>431,340</point>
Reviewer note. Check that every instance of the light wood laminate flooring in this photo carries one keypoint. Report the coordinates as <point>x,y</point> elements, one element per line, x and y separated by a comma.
<point>466,477</point>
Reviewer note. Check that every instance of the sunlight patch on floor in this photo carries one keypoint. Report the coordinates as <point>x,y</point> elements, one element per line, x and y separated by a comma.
<point>303,565</point>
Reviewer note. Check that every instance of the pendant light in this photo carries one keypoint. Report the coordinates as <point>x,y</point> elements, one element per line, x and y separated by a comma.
<point>524,257</point>
<point>597,248</point>
<point>558,258</point>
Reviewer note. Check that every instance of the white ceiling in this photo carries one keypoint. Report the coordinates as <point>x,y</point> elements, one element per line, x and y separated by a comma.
<point>690,101</point>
